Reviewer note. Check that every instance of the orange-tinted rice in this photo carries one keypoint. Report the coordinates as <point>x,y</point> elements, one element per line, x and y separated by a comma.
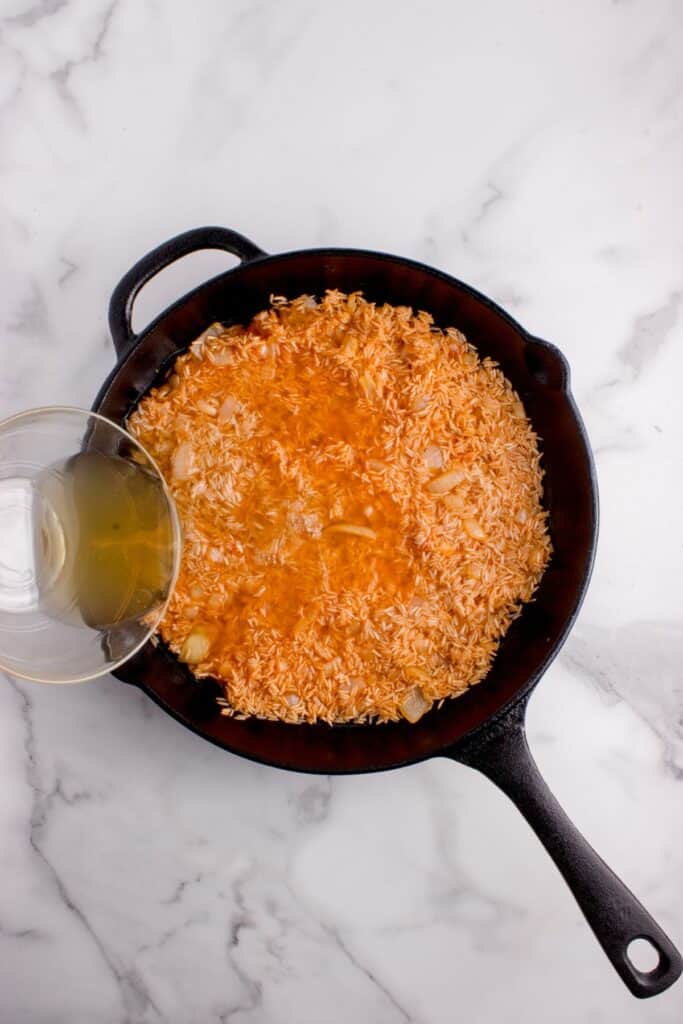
<point>361,503</point>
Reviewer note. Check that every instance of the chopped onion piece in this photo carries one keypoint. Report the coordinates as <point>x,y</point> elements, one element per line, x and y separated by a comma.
<point>214,330</point>
<point>474,529</point>
<point>228,409</point>
<point>195,648</point>
<point>454,502</point>
<point>221,356</point>
<point>446,481</point>
<point>414,705</point>
<point>207,407</point>
<point>433,457</point>
<point>183,461</point>
<point>416,674</point>
<point>353,529</point>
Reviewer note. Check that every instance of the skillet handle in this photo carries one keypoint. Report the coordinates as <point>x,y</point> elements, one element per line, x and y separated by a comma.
<point>123,296</point>
<point>612,911</point>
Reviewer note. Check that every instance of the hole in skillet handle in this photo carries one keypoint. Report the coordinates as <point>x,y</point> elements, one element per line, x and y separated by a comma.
<point>649,966</point>
<point>500,751</point>
<point>643,955</point>
<point>124,295</point>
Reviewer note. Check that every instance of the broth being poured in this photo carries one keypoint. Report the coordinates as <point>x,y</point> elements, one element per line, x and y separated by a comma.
<point>102,540</point>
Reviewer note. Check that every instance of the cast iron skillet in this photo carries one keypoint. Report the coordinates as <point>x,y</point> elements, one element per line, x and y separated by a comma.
<point>485,727</point>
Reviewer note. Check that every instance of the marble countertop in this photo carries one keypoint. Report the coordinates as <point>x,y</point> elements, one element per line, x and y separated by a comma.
<point>533,150</point>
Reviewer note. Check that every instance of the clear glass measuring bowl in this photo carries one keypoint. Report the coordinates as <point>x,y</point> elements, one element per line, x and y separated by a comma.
<point>90,545</point>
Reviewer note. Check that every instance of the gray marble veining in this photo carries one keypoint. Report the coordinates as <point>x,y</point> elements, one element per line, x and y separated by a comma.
<point>532,150</point>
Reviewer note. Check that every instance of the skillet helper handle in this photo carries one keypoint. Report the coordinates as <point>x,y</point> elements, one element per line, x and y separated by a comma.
<point>612,911</point>
<point>123,296</point>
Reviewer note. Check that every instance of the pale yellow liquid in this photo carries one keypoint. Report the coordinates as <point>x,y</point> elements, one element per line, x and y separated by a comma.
<point>103,540</point>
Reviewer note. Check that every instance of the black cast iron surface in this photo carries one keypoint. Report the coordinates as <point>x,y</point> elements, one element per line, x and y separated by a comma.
<point>485,727</point>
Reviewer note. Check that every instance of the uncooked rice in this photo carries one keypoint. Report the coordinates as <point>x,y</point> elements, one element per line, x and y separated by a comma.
<point>361,503</point>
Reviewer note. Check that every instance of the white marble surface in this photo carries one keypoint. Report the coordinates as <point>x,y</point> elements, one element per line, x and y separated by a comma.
<point>533,149</point>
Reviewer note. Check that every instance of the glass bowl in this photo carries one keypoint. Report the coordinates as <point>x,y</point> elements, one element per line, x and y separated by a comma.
<point>90,545</point>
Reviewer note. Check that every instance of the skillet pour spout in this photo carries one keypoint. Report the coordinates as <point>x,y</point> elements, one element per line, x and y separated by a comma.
<point>483,728</point>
